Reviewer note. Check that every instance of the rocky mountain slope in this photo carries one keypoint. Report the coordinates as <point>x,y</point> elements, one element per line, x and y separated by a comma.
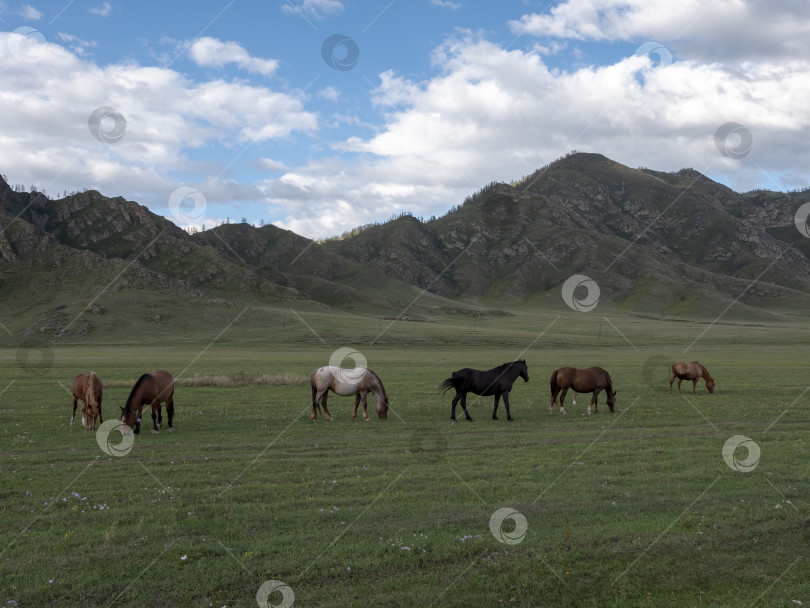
<point>655,243</point>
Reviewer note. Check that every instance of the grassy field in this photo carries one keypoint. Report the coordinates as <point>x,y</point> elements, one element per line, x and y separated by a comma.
<point>634,508</point>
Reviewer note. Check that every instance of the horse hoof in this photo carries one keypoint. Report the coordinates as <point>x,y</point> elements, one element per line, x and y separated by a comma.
<point>511,419</point>
<point>494,417</point>
<point>469,419</point>
<point>154,432</point>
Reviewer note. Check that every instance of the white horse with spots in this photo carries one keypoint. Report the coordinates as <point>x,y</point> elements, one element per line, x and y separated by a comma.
<point>359,381</point>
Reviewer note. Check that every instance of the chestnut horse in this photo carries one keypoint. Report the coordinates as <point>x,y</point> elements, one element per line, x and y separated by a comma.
<point>497,381</point>
<point>359,381</point>
<point>590,380</point>
<point>153,388</point>
<point>693,371</point>
<point>87,388</point>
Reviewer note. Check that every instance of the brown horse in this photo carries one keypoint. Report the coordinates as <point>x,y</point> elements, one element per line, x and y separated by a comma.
<point>693,371</point>
<point>153,388</point>
<point>589,380</point>
<point>87,388</point>
<point>359,381</point>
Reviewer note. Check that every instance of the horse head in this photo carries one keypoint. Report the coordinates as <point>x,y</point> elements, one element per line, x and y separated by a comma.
<point>710,386</point>
<point>382,409</point>
<point>524,370</point>
<point>130,419</point>
<point>611,399</point>
<point>89,414</point>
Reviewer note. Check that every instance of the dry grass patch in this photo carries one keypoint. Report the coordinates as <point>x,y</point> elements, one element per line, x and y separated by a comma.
<point>228,380</point>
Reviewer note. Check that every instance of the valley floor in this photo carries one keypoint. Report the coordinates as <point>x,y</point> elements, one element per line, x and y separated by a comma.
<point>642,507</point>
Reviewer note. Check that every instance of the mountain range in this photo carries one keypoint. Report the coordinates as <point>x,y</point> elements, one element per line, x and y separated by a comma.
<point>656,243</point>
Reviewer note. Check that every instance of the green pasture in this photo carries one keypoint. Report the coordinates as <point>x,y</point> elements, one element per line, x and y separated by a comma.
<point>634,508</point>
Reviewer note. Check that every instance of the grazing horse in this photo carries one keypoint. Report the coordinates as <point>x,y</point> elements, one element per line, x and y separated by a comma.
<point>359,381</point>
<point>496,381</point>
<point>153,388</point>
<point>693,371</point>
<point>589,380</point>
<point>87,388</point>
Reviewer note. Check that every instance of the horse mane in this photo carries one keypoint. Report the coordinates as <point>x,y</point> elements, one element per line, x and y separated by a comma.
<point>91,390</point>
<point>507,365</point>
<point>379,381</point>
<point>706,374</point>
<point>128,405</point>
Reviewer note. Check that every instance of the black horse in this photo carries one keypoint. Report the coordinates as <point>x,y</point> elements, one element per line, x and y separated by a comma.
<point>497,381</point>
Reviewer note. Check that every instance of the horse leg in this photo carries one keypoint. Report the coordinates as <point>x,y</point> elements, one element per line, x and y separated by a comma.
<point>694,385</point>
<point>679,385</point>
<point>74,410</point>
<point>155,409</point>
<point>506,403</point>
<point>495,411</point>
<point>453,408</point>
<point>365,407</point>
<point>554,393</point>
<point>594,401</point>
<point>356,405</point>
<point>325,408</point>
<point>169,411</point>
<point>464,406</point>
<point>671,380</point>
<point>575,398</point>
<point>562,400</point>
<point>314,416</point>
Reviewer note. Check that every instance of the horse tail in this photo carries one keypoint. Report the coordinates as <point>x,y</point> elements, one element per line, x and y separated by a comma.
<point>553,381</point>
<point>446,385</point>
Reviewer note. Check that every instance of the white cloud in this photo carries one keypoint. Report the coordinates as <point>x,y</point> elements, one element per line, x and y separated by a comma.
<point>696,28</point>
<point>45,139</point>
<point>29,12</point>
<point>446,4</point>
<point>210,52</point>
<point>103,10</point>
<point>269,164</point>
<point>496,114</point>
<point>329,93</point>
<point>313,8</point>
<point>76,44</point>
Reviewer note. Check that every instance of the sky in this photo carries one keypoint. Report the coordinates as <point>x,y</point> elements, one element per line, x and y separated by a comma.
<point>323,115</point>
